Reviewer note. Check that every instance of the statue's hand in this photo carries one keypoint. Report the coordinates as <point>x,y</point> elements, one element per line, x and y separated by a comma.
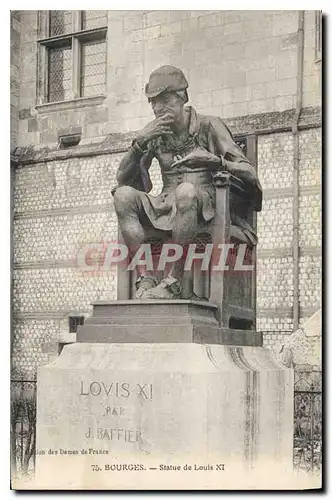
<point>159,126</point>
<point>199,157</point>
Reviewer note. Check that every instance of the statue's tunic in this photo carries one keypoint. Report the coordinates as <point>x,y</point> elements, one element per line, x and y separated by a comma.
<point>211,134</point>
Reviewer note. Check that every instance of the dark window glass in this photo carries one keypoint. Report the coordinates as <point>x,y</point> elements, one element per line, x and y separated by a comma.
<point>74,322</point>
<point>59,73</point>
<point>60,22</point>
<point>93,69</point>
<point>94,19</point>
<point>242,143</point>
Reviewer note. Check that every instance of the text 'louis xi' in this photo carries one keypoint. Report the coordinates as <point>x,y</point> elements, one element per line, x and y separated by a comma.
<point>116,389</point>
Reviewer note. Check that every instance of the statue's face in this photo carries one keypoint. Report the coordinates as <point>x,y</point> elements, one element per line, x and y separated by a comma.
<point>168,102</point>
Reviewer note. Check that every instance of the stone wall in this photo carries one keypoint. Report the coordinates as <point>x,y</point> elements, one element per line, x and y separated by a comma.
<point>237,63</point>
<point>275,229</point>
<point>15,29</point>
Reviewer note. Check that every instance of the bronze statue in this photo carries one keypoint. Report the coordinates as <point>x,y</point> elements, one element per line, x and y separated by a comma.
<point>190,147</point>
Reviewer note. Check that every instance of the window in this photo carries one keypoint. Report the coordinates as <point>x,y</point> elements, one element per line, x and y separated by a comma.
<point>74,322</point>
<point>93,68</point>
<point>242,143</point>
<point>93,19</point>
<point>72,55</point>
<point>61,22</point>
<point>59,73</point>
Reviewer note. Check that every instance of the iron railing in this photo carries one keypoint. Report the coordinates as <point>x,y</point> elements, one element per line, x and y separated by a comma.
<point>308,421</point>
<point>23,427</point>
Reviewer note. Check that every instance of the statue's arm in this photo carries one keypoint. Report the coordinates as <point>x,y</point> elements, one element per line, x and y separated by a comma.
<point>133,169</point>
<point>222,143</point>
<point>129,166</point>
<point>134,166</point>
<point>241,169</point>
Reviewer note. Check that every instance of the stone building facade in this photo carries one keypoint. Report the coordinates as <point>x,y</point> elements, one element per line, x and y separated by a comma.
<point>80,75</point>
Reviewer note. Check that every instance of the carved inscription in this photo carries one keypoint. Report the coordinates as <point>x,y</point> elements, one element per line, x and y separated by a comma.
<point>119,390</point>
<point>116,389</point>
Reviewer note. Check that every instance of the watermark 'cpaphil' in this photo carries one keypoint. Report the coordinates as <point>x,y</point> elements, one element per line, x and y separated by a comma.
<point>216,258</point>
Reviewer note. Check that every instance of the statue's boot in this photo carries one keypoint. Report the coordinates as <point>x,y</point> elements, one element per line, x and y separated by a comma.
<point>168,288</point>
<point>193,296</point>
<point>143,284</point>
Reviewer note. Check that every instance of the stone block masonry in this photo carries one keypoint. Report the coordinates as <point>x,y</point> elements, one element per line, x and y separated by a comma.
<point>15,36</point>
<point>237,63</point>
<point>164,407</point>
<point>53,291</point>
<point>75,182</point>
<point>275,266</point>
<point>34,343</point>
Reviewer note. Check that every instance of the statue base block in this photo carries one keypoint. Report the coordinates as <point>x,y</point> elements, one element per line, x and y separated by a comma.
<point>161,321</point>
<point>164,416</point>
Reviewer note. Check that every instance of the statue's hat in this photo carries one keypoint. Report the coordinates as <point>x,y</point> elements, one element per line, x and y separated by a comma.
<point>165,79</point>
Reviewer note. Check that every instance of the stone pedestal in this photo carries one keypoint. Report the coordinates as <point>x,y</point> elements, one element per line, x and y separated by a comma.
<point>161,321</point>
<point>164,416</point>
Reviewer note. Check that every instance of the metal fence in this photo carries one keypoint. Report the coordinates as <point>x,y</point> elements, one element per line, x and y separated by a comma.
<point>308,421</point>
<point>23,427</point>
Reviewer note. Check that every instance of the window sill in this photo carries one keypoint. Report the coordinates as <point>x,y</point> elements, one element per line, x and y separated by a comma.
<point>78,103</point>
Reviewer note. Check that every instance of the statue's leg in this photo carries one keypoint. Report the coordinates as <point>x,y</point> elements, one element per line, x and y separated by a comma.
<point>128,206</point>
<point>184,229</point>
<point>129,209</point>
<point>186,221</point>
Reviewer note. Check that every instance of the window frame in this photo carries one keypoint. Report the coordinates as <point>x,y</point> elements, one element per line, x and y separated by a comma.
<point>76,37</point>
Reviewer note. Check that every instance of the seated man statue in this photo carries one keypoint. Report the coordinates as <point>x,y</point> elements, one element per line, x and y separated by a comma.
<point>189,148</point>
